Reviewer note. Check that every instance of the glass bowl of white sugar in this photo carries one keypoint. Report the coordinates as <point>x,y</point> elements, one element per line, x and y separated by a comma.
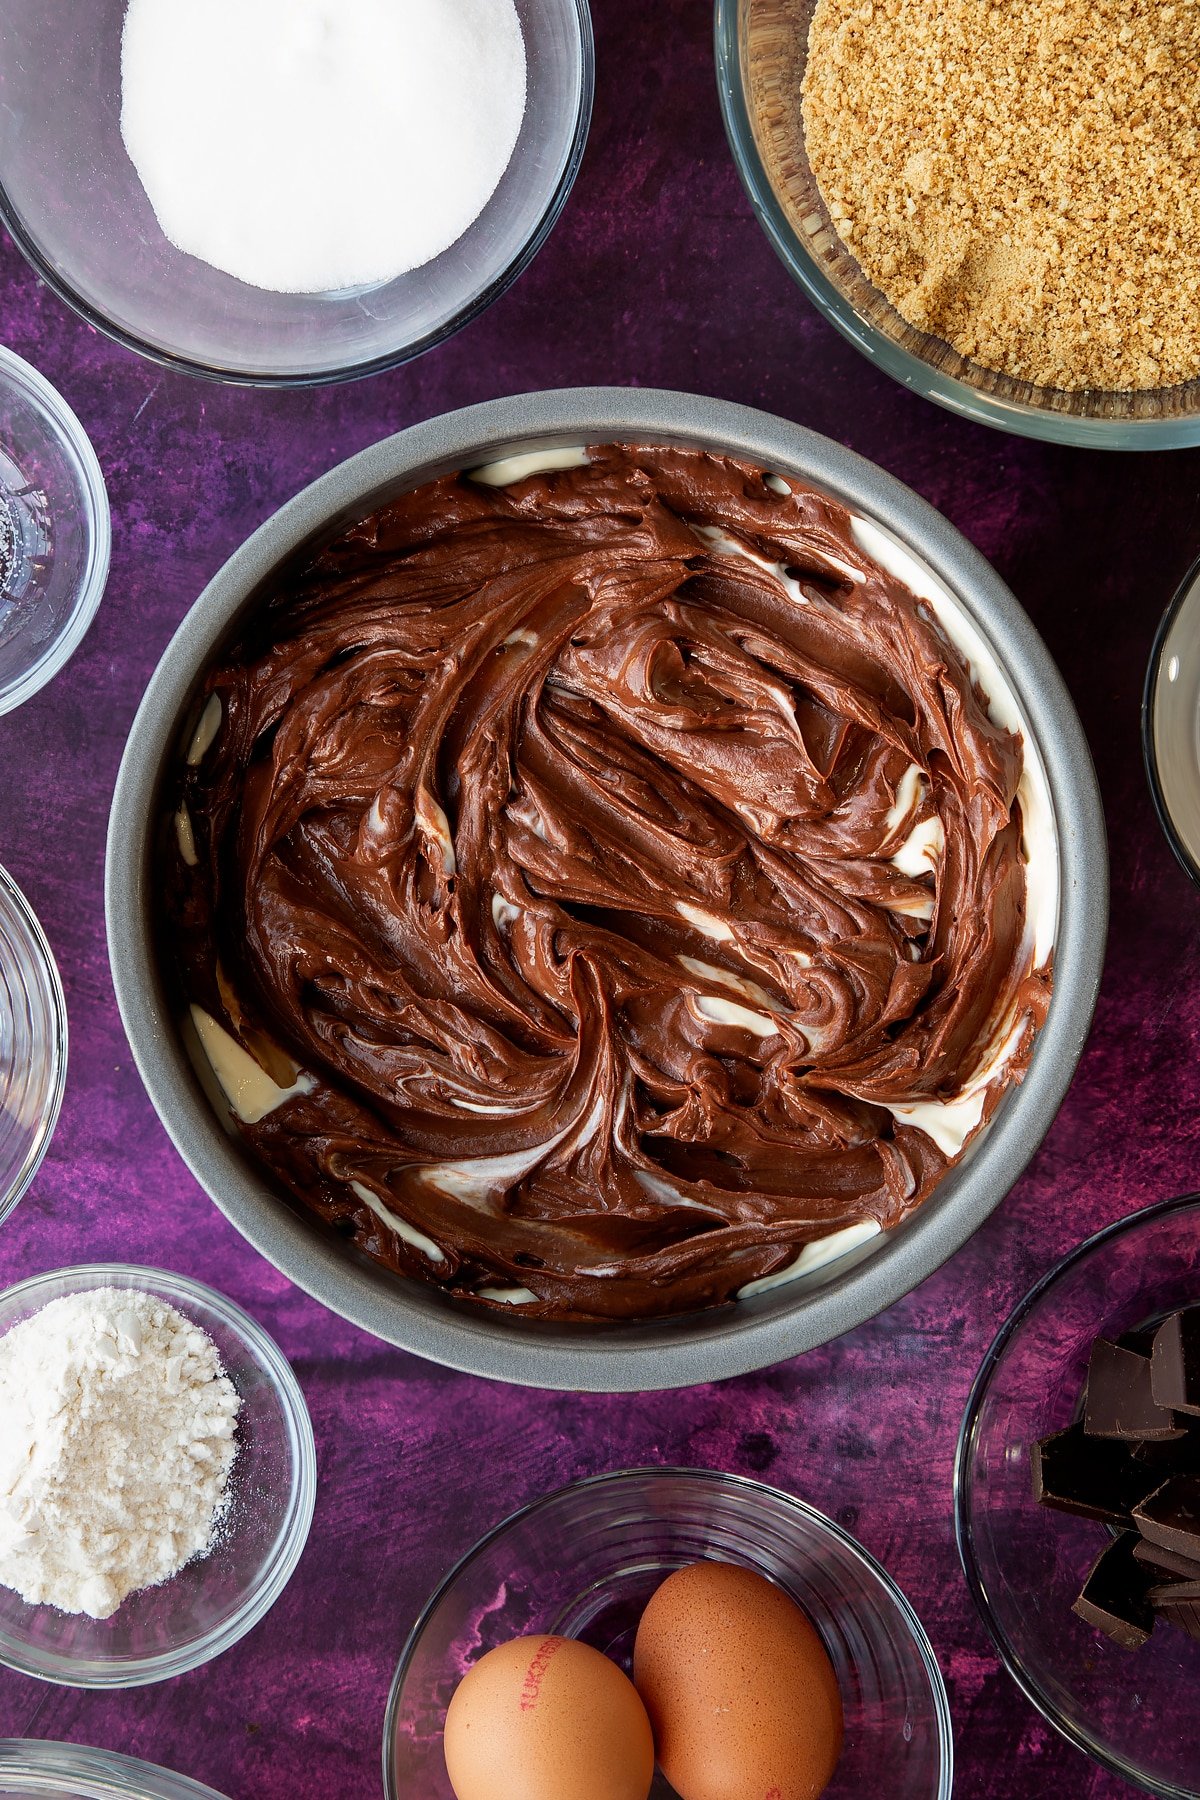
<point>170,1376</point>
<point>285,192</point>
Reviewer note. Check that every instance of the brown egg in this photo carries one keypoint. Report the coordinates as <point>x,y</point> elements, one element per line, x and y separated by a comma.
<point>739,1688</point>
<point>548,1718</point>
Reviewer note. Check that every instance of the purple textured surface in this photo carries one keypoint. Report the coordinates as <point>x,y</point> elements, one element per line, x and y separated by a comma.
<point>657,274</point>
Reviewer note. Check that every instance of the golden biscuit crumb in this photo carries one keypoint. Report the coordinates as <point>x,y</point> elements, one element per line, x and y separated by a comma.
<point>1019,178</point>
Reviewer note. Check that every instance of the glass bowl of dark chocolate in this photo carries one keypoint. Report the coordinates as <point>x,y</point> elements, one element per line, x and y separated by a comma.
<point>1075,1490</point>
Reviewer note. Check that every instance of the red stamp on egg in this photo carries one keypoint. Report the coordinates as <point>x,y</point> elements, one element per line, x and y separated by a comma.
<point>535,1673</point>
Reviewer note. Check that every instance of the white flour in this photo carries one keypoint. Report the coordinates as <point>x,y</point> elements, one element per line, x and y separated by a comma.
<point>116,1442</point>
<point>312,145</point>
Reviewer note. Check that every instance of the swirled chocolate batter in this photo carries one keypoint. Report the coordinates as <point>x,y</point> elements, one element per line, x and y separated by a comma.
<point>600,890</point>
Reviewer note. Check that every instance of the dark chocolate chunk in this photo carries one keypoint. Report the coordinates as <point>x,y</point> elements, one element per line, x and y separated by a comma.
<point>1174,1456</point>
<point>1170,1516</point>
<point>1167,1562</point>
<point>1141,1340</point>
<point>1173,1593</point>
<point>1175,1362</point>
<point>1120,1402</point>
<point>1097,1478</point>
<point>1114,1597</point>
<point>1185,1614</point>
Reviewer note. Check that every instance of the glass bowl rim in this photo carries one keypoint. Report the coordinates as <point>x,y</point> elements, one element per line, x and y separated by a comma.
<point>43,956</point>
<point>744,1484</point>
<point>1017,416</point>
<point>963,1483</point>
<point>1178,600</point>
<point>128,339</point>
<point>57,1768</point>
<point>44,398</point>
<point>291,1535</point>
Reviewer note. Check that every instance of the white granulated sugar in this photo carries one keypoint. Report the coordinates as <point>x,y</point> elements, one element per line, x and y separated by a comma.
<point>312,145</point>
<point>116,1441</point>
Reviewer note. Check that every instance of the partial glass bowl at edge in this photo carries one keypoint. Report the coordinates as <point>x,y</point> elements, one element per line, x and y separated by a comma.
<point>55,531</point>
<point>73,203</point>
<point>754,38</point>
<point>1171,723</point>
<point>213,1601</point>
<point>584,1561</point>
<point>33,1044</point>
<point>1134,1712</point>
<point>33,1767</point>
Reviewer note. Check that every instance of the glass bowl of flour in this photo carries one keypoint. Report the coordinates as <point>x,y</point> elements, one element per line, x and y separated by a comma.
<point>284,192</point>
<point>100,1504</point>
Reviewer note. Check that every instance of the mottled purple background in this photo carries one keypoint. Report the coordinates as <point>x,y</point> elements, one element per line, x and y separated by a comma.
<point>657,274</point>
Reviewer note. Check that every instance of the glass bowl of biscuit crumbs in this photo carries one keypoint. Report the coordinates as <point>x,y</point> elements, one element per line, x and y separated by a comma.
<point>999,205</point>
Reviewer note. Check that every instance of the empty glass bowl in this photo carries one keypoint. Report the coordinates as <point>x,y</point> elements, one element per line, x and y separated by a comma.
<point>760,49</point>
<point>213,1601</point>
<point>55,534</point>
<point>32,1768</point>
<point>1133,1711</point>
<point>73,202</point>
<point>1171,723</point>
<point>33,1044</point>
<point>584,1561</point>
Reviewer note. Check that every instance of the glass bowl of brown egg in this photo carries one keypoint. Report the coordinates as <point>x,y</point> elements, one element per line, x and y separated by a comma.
<point>644,1577</point>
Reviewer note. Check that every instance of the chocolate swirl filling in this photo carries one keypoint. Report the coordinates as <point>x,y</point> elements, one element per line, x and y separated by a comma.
<point>615,878</point>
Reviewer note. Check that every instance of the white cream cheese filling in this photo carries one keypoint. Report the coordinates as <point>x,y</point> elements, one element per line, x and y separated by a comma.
<point>247,1087</point>
<point>815,1256</point>
<point>507,469</point>
<point>206,730</point>
<point>401,1227</point>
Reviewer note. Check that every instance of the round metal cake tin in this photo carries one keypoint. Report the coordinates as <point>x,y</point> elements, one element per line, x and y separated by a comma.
<point>647,1354</point>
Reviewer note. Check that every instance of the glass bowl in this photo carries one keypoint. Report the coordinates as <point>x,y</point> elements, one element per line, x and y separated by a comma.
<point>55,532</point>
<point>1171,723</point>
<point>30,1767</point>
<point>1132,1711</point>
<point>214,1601</point>
<point>33,1044</point>
<point>755,40</point>
<point>584,1561</point>
<point>72,201</point>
